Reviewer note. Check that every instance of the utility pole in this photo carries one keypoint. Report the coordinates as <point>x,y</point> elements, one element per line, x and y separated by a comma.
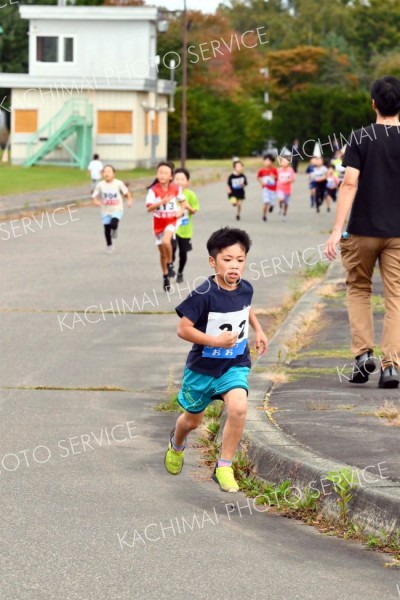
<point>184,87</point>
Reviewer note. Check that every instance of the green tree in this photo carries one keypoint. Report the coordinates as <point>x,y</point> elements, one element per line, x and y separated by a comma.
<point>317,113</point>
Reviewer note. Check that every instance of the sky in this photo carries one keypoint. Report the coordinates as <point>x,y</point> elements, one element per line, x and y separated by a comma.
<point>206,6</point>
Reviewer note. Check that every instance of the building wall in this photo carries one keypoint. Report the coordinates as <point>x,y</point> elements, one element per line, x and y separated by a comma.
<point>99,51</point>
<point>127,150</point>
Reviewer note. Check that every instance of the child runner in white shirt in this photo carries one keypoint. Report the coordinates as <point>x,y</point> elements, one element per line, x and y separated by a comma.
<point>109,194</point>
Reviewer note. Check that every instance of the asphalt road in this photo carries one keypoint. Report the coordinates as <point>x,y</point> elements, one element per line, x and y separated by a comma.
<point>88,509</point>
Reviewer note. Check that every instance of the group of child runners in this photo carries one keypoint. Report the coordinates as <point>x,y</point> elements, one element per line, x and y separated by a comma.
<point>216,316</point>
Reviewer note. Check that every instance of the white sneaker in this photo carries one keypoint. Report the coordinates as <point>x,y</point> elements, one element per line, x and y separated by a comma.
<point>110,250</point>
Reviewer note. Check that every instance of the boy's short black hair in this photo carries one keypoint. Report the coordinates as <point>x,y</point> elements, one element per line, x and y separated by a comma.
<point>111,167</point>
<point>225,237</point>
<point>184,171</point>
<point>270,156</point>
<point>95,157</point>
<point>386,93</point>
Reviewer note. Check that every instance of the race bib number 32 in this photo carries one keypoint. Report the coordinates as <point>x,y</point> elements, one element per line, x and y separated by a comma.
<point>237,322</point>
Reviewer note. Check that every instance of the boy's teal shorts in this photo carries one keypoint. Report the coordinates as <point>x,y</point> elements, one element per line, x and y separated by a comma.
<point>199,390</point>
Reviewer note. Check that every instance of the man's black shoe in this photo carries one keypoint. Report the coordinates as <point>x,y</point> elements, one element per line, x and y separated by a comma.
<point>389,378</point>
<point>363,366</point>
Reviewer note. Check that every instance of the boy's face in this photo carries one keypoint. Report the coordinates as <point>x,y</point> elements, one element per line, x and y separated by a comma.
<point>229,265</point>
<point>238,167</point>
<point>267,163</point>
<point>180,180</point>
<point>164,174</point>
<point>108,174</point>
<point>284,163</point>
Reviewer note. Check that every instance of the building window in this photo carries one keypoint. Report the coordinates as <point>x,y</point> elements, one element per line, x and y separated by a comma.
<point>52,49</point>
<point>47,49</point>
<point>68,49</point>
<point>114,121</point>
<point>26,121</point>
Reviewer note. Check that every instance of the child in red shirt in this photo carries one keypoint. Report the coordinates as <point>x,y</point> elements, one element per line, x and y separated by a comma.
<point>286,177</point>
<point>268,176</point>
<point>163,200</point>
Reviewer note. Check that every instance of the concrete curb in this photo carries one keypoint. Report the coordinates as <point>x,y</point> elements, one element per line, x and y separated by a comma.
<point>277,456</point>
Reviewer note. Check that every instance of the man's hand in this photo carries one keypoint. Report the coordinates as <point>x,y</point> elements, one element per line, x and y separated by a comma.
<point>227,339</point>
<point>331,245</point>
<point>261,342</point>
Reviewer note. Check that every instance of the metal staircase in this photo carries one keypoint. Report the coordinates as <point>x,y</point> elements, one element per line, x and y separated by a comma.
<point>69,129</point>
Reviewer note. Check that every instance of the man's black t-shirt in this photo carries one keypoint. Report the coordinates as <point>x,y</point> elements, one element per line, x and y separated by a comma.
<point>375,152</point>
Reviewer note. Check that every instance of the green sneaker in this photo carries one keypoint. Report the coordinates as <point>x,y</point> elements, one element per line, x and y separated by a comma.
<point>173,460</point>
<point>225,479</point>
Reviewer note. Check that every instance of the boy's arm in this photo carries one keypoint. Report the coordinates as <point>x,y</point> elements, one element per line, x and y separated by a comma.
<point>187,331</point>
<point>260,337</point>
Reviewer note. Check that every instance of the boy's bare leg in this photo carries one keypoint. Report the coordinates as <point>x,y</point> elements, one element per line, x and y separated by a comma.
<point>236,408</point>
<point>185,424</point>
<point>238,206</point>
<point>265,209</point>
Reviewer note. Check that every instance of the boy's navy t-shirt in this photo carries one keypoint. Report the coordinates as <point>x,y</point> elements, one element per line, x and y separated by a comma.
<point>214,310</point>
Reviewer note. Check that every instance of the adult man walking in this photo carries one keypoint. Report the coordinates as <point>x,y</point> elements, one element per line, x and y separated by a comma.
<point>371,190</point>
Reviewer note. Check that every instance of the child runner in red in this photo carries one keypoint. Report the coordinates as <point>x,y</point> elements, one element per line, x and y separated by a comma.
<point>267,177</point>
<point>286,176</point>
<point>163,201</point>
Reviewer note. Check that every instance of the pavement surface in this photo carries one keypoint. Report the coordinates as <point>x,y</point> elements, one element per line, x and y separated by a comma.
<point>88,348</point>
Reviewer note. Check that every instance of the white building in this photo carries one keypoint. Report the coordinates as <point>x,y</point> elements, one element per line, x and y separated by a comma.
<point>92,87</point>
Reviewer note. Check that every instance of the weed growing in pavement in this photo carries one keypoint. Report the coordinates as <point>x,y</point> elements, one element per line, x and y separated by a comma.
<point>343,485</point>
<point>389,410</point>
<point>171,403</point>
<point>316,271</point>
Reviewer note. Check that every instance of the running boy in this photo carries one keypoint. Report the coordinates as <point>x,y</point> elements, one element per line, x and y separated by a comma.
<point>215,317</point>
<point>95,168</point>
<point>332,184</point>
<point>184,231</point>
<point>286,177</point>
<point>319,176</point>
<point>162,200</point>
<point>268,176</point>
<point>311,183</point>
<point>237,182</point>
<point>109,194</point>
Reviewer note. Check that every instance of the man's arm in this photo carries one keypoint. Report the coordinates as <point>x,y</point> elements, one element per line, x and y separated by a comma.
<point>347,192</point>
<point>187,331</point>
<point>261,338</point>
